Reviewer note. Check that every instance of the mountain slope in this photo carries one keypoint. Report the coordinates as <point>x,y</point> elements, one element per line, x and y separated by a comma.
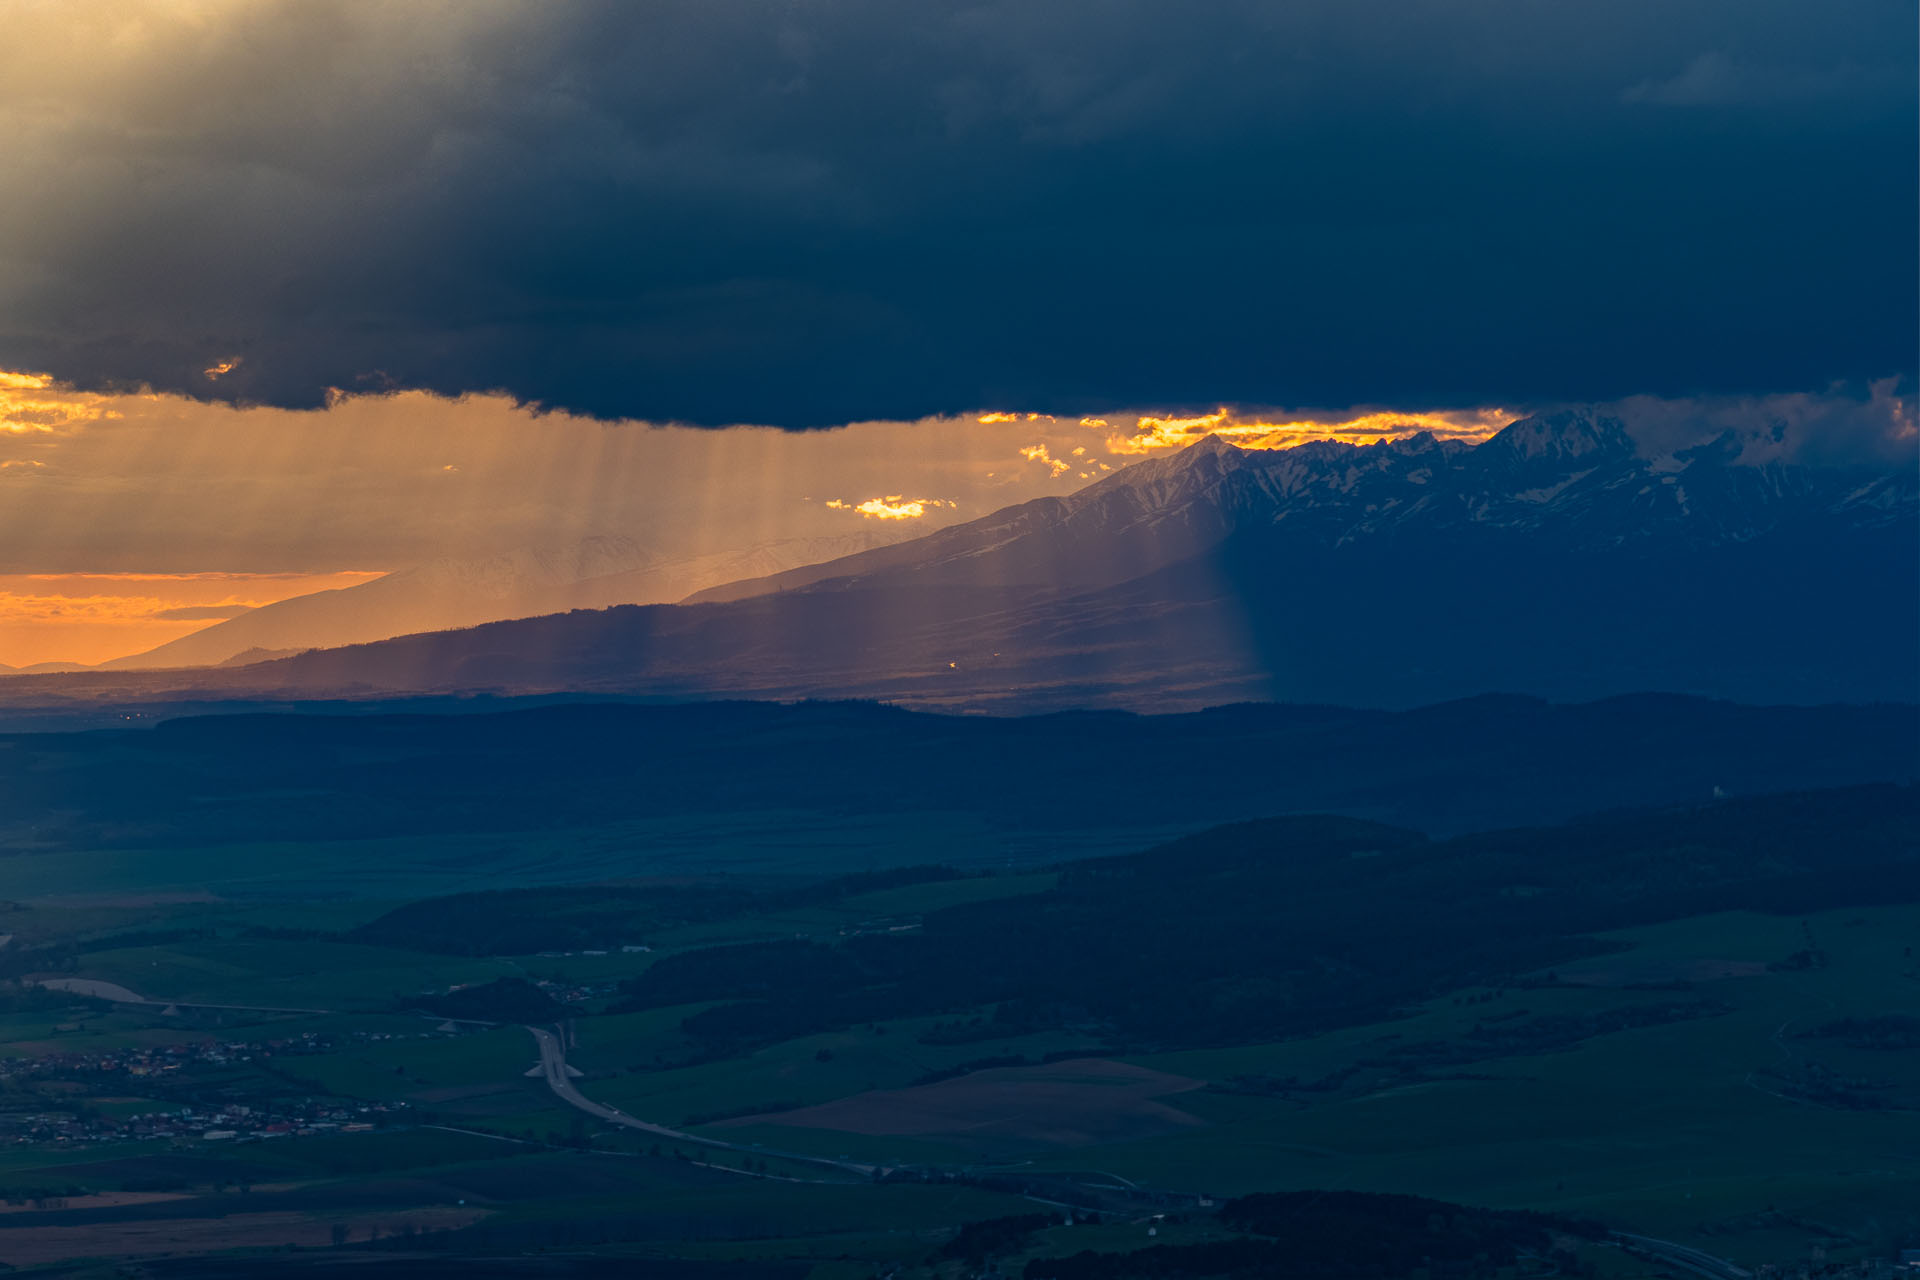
<point>1255,620</point>
<point>1552,560</point>
<point>1132,522</point>
<point>594,573</point>
<point>1569,478</point>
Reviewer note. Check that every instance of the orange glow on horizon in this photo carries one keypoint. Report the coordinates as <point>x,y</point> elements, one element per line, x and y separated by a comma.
<point>94,617</point>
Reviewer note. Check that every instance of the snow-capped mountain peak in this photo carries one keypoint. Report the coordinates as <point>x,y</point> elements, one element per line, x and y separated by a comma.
<point>1564,436</point>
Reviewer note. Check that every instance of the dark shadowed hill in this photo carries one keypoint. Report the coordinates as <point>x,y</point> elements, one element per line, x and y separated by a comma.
<point>1261,930</point>
<point>1035,785</point>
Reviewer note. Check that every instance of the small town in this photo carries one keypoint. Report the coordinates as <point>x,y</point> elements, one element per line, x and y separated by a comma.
<point>66,1098</point>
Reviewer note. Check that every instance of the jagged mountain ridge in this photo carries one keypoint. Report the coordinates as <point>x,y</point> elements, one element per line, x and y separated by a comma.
<point>1573,478</point>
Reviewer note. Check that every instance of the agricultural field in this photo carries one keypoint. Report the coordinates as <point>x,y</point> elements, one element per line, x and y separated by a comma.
<point>301,975</point>
<point>1753,1114</point>
<point>830,1079</point>
<point>1749,1137</point>
<point>808,1071</point>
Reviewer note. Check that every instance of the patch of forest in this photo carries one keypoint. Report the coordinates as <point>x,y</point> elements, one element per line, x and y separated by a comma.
<point>1893,1031</point>
<point>1354,1235</point>
<point>1262,930</point>
<point>517,922</point>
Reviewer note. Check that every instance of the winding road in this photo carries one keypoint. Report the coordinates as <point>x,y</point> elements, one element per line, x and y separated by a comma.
<point>1679,1255</point>
<point>553,1067</point>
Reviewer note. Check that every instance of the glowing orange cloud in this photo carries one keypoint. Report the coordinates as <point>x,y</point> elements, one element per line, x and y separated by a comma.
<point>1153,433</point>
<point>1038,453</point>
<point>30,404</point>
<point>892,507</point>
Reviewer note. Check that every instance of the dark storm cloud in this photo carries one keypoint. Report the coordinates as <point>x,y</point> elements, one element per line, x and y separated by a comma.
<point>813,211</point>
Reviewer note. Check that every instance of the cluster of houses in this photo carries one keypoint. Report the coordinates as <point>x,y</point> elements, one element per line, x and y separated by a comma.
<point>232,1123</point>
<point>156,1060</point>
<point>1903,1265</point>
<point>577,992</point>
<point>87,1096</point>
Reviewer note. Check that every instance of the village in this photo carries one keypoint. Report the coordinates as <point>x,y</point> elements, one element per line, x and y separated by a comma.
<point>189,1091</point>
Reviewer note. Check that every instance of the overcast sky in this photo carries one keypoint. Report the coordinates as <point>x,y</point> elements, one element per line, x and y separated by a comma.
<point>810,212</point>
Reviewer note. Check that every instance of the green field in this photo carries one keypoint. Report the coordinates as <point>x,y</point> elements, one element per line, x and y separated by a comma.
<point>396,1069</point>
<point>315,975</point>
<point>1702,1156</point>
<point>1668,1081</point>
<point>797,1072</point>
<point>876,911</point>
<point>1575,1129</point>
<point>1581,1130</point>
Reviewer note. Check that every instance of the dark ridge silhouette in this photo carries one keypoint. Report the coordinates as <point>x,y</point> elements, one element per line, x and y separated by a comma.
<point>1473,764</point>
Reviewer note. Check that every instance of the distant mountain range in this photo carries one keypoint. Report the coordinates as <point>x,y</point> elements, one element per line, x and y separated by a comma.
<point>594,573</point>
<point>1569,480</point>
<point>1554,559</point>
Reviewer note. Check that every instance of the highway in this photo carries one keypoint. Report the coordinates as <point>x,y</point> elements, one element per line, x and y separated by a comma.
<point>553,1067</point>
<point>1679,1255</point>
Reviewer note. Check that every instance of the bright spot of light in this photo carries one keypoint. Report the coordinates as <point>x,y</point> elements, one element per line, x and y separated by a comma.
<point>892,507</point>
